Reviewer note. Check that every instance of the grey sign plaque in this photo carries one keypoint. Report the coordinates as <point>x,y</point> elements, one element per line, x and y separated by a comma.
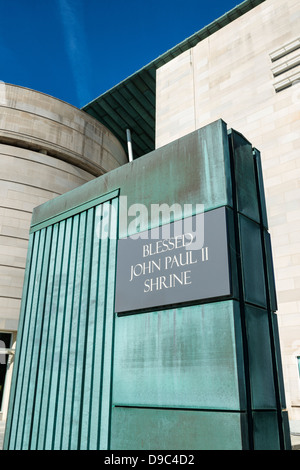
<point>156,270</point>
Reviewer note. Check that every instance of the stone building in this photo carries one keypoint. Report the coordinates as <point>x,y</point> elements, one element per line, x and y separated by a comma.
<point>47,148</point>
<point>243,68</point>
<point>248,73</point>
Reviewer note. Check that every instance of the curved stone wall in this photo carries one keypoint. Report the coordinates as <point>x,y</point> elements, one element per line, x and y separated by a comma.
<point>40,122</point>
<point>47,147</point>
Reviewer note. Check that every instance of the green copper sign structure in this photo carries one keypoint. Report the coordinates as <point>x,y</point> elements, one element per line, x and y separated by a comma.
<point>200,372</point>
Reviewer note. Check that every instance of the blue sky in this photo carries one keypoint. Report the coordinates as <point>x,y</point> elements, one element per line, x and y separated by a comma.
<point>76,50</point>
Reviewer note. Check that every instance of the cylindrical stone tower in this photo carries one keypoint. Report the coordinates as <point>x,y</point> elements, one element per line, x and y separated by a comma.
<point>47,147</point>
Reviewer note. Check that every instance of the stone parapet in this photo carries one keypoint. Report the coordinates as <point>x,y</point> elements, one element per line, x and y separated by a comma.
<point>39,122</point>
<point>47,147</point>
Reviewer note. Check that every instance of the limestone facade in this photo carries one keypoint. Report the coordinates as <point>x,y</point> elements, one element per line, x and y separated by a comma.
<point>248,74</point>
<point>47,147</point>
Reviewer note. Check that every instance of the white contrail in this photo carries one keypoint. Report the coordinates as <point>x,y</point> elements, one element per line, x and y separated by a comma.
<point>71,12</point>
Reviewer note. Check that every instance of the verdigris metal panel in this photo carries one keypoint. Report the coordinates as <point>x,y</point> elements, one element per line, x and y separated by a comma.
<point>260,358</point>
<point>265,430</point>
<point>245,176</point>
<point>183,172</point>
<point>187,357</point>
<point>277,360</point>
<point>159,429</point>
<point>286,430</point>
<point>270,271</point>
<point>252,262</point>
<point>260,187</point>
<point>62,382</point>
